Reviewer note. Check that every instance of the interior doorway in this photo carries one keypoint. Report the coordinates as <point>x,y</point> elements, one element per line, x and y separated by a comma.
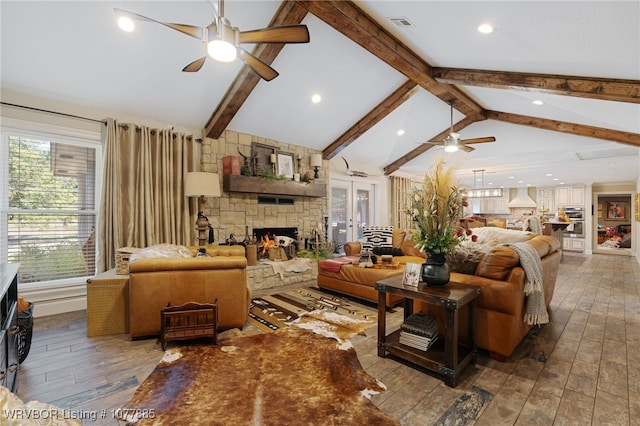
<point>613,223</point>
<point>352,208</point>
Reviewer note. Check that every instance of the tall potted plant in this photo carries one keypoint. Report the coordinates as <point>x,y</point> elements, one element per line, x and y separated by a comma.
<point>435,209</point>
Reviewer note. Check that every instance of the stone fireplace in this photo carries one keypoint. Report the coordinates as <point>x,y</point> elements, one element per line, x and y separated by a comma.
<point>233,211</point>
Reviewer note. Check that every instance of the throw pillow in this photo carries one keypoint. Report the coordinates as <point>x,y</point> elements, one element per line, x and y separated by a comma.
<point>376,236</point>
<point>504,236</point>
<point>379,251</point>
<point>466,257</point>
<point>171,251</point>
<point>398,237</point>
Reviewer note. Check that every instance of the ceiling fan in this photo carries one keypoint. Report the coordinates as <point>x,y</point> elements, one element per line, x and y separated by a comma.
<point>222,41</point>
<point>354,172</point>
<point>452,141</point>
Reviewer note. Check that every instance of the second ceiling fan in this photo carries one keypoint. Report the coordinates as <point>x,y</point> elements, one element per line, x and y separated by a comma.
<point>222,41</point>
<point>452,141</point>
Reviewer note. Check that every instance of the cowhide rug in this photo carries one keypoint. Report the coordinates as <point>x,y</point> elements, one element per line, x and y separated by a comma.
<point>290,376</point>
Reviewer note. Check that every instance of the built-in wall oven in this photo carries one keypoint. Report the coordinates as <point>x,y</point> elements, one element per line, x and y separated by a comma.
<point>576,214</point>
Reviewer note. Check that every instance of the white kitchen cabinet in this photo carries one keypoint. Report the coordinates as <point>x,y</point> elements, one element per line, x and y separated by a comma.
<point>569,195</point>
<point>573,244</point>
<point>546,200</point>
<point>492,205</point>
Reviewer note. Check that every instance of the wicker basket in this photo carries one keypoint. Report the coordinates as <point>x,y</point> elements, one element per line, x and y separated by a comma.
<point>122,259</point>
<point>25,332</point>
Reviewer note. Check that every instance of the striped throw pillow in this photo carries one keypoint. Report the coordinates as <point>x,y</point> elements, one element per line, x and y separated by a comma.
<point>377,236</point>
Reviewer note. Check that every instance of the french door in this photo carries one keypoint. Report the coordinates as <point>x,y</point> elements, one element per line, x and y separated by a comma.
<point>352,208</point>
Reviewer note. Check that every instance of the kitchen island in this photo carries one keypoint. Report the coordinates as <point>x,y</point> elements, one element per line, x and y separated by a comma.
<point>555,229</point>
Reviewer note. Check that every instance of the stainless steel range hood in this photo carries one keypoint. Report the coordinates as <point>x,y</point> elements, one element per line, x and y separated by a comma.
<point>522,199</point>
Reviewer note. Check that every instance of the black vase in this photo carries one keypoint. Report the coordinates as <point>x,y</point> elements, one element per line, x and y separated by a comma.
<point>435,271</point>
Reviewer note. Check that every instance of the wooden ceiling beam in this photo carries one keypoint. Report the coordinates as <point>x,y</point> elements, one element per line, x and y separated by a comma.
<point>426,146</point>
<point>626,138</point>
<point>289,13</point>
<point>384,108</point>
<point>351,21</point>
<point>583,87</point>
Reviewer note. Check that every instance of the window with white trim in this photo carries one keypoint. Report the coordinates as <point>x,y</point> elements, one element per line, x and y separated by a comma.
<point>48,207</point>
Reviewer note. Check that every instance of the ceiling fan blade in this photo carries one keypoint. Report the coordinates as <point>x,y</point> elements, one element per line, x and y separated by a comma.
<point>195,65</point>
<point>479,140</point>
<point>282,34</point>
<point>466,148</point>
<point>262,69</point>
<point>190,30</point>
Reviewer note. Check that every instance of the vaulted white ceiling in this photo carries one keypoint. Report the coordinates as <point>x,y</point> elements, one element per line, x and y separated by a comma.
<point>74,52</point>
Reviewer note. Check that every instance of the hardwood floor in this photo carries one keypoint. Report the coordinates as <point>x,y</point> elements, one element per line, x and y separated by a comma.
<point>581,368</point>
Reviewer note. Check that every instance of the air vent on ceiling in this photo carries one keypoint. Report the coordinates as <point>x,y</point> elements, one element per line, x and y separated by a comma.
<point>607,153</point>
<point>401,21</point>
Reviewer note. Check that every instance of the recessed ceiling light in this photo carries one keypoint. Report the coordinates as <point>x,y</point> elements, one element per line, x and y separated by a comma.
<point>549,174</point>
<point>485,28</point>
<point>126,24</point>
<point>537,102</point>
<point>556,179</point>
<point>400,132</point>
<point>316,98</point>
<point>520,181</point>
<point>512,177</point>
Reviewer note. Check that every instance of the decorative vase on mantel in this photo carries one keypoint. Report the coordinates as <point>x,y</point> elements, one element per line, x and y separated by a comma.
<point>435,271</point>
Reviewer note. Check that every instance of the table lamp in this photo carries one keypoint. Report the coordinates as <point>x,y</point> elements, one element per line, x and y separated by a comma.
<point>316,163</point>
<point>201,184</point>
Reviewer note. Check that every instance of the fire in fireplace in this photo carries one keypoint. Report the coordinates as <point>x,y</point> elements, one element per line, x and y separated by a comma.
<point>267,238</point>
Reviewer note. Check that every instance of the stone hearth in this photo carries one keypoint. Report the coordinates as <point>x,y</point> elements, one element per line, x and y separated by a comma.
<point>262,276</point>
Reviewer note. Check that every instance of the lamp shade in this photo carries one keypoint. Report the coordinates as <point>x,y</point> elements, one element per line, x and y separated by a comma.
<point>201,184</point>
<point>316,160</point>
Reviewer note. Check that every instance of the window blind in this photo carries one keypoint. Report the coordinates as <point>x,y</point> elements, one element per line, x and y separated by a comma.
<point>51,217</point>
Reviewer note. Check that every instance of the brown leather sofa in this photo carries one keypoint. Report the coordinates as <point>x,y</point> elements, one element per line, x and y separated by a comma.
<point>359,282</point>
<point>501,305</point>
<point>155,282</point>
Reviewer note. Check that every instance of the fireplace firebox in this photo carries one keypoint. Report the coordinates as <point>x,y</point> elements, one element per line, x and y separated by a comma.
<point>268,237</point>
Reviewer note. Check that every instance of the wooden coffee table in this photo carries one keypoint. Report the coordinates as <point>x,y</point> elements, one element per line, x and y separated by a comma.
<point>447,357</point>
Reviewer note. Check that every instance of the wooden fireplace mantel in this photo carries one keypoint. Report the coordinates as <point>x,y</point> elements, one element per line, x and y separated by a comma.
<point>259,185</point>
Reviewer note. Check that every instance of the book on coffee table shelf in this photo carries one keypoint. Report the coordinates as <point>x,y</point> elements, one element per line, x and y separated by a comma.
<point>421,324</point>
<point>419,331</point>
<point>415,341</point>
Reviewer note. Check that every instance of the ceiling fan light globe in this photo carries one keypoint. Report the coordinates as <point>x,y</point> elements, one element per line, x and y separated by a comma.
<point>222,51</point>
<point>126,24</point>
<point>450,143</point>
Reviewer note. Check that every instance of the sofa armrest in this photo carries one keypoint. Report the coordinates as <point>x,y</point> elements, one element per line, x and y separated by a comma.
<point>352,248</point>
<point>497,295</point>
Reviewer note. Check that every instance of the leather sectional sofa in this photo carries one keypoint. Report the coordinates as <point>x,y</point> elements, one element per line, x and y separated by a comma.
<point>154,282</point>
<point>359,282</point>
<point>500,307</point>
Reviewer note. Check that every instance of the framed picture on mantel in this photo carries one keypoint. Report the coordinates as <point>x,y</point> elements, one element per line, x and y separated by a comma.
<point>285,164</point>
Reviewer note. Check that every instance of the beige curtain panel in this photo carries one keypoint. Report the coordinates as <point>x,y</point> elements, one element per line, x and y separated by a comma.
<point>143,200</point>
<point>400,190</point>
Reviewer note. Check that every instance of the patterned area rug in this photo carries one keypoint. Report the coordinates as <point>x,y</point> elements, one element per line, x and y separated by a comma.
<point>290,376</point>
<point>311,308</point>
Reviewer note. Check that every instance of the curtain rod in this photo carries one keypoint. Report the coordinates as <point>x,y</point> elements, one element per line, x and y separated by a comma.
<point>54,112</point>
<point>69,115</point>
